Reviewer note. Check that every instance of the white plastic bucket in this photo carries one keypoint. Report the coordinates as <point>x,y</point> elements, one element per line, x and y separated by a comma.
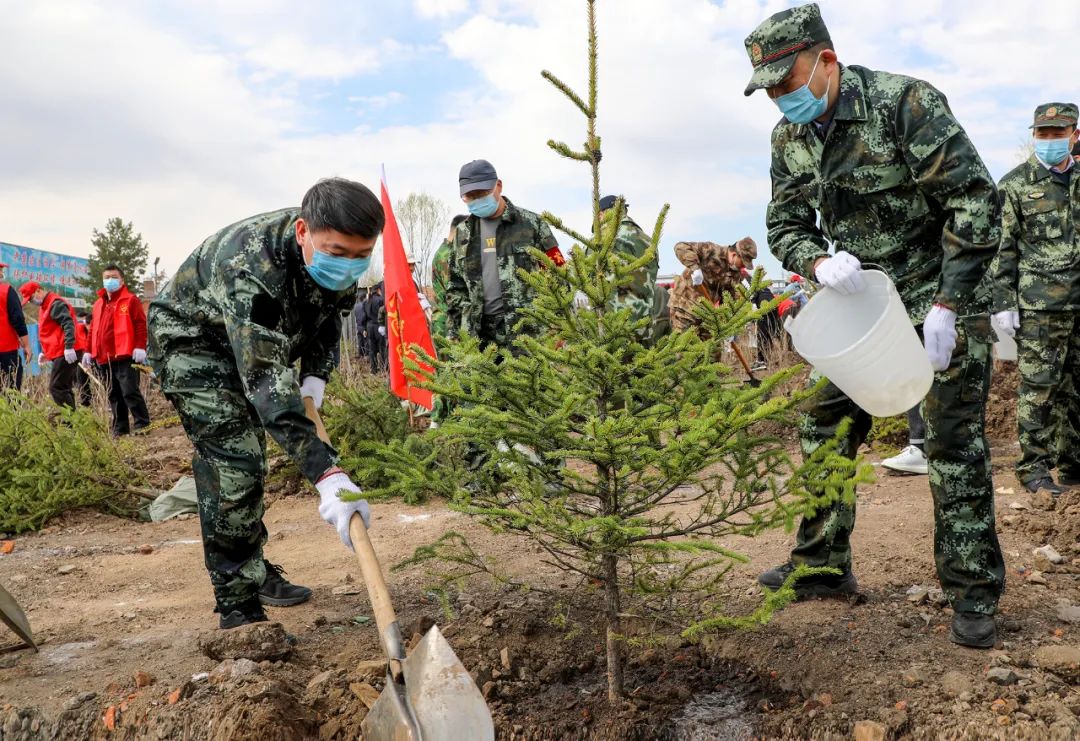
<point>865,344</point>
<point>1005,347</point>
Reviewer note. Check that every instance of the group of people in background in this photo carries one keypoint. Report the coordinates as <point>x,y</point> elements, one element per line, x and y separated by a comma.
<point>76,346</point>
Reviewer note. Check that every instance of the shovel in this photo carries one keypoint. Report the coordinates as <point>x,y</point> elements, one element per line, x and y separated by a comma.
<point>752,380</point>
<point>13,617</point>
<point>429,695</point>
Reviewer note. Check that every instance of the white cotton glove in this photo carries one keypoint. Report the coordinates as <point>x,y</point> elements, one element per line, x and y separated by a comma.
<point>41,359</point>
<point>1007,322</point>
<point>87,360</point>
<point>382,331</point>
<point>138,355</point>
<point>842,272</point>
<point>313,387</point>
<point>581,301</point>
<point>697,277</point>
<point>71,356</point>
<point>939,335</point>
<point>337,512</point>
<point>424,303</point>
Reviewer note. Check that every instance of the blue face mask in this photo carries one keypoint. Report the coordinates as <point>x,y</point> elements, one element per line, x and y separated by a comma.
<point>336,273</point>
<point>112,285</point>
<point>484,207</point>
<point>800,106</point>
<point>1052,151</point>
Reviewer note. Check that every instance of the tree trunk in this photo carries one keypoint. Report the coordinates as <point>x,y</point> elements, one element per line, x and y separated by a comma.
<point>614,630</point>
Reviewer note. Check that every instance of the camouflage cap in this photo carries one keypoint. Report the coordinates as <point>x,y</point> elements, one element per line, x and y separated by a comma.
<point>773,45</point>
<point>747,250</point>
<point>1055,114</point>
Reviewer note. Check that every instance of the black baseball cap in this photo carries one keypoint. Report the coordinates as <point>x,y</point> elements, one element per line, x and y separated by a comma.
<point>477,175</point>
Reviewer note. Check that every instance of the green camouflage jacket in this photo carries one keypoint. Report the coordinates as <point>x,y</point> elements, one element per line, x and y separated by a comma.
<point>639,297</point>
<point>1038,264</point>
<point>518,232</point>
<point>440,281</point>
<point>896,183</point>
<point>245,295</point>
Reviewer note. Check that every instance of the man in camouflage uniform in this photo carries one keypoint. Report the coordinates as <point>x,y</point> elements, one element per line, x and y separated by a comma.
<point>715,268</point>
<point>877,164</point>
<point>484,293</point>
<point>1036,286</point>
<point>225,335</point>
<point>440,278</point>
<point>642,297</point>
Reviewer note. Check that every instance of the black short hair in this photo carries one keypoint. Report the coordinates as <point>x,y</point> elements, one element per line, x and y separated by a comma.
<point>344,206</point>
<point>117,268</point>
<point>457,220</point>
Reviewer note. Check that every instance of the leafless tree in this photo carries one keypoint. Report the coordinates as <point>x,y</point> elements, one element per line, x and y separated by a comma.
<point>423,220</point>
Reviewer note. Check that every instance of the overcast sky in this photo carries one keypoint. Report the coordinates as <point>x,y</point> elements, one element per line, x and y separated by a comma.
<point>186,115</point>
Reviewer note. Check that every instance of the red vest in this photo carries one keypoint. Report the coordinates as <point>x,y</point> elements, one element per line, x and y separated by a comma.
<point>51,334</point>
<point>82,337</point>
<point>112,321</point>
<point>8,339</point>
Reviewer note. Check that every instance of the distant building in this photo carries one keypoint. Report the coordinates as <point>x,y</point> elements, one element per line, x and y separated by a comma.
<point>55,272</point>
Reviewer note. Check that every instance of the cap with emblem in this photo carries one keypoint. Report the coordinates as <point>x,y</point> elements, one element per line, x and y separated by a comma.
<point>477,175</point>
<point>1054,114</point>
<point>774,44</point>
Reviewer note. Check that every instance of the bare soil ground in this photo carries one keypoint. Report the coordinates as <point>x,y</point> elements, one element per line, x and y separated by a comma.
<point>119,608</point>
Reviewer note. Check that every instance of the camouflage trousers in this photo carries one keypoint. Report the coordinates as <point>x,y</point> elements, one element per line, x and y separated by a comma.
<point>1048,411</point>
<point>966,551</point>
<point>229,466</point>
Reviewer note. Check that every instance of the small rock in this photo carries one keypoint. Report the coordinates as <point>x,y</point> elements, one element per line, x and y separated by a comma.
<point>869,730</point>
<point>257,641</point>
<point>174,696</point>
<point>955,684</point>
<point>937,597</point>
<point>146,549</point>
<point>1050,554</point>
<point>487,690</point>
<point>917,594</point>
<point>1036,577</point>
<point>1002,706</point>
<point>912,677</point>
<point>66,569</point>
<point>233,669</point>
<point>345,590</point>
<point>1063,661</point>
<point>1018,506</point>
<point>201,677</point>
<point>319,679</point>
<point>142,679</point>
<point>489,622</point>
<point>1068,613</point>
<point>81,698</point>
<point>371,670</point>
<point>365,692</point>
<point>1002,675</point>
<point>504,657</point>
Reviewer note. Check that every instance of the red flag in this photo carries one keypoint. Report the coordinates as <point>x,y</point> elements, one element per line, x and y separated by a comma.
<point>406,323</point>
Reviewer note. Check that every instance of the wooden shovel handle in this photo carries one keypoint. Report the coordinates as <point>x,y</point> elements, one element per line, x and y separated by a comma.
<point>365,552</point>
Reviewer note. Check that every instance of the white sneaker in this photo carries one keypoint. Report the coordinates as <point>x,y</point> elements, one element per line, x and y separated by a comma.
<point>909,460</point>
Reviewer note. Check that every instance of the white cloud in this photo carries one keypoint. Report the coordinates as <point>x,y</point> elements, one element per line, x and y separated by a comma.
<point>440,8</point>
<point>109,112</point>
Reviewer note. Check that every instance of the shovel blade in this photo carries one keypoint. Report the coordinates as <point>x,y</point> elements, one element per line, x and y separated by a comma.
<point>440,701</point>
<point>13,617</point>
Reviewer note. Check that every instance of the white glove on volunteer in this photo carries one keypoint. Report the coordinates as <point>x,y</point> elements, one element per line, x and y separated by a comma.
<point>138,355</point>
<point>87,360</point>
<point>71,356</point>
<point>382,331</point>
<point>424,303</point>
<point>939,336</point>
<point>697,277</point>
<point>1008,322</point>
<point>842,272</point>
<point>41,359</point>
<point>313,387</point>
<point>337,512</point>
<point>581,301</point>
